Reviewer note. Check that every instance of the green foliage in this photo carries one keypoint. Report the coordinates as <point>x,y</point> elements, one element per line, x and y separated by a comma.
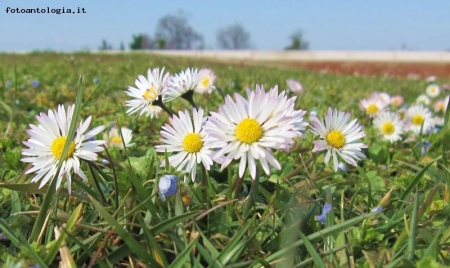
<point>117,219</point>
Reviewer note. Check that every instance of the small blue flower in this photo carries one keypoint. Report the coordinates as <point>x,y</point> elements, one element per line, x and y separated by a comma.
<point>96,80</point>
<point>325,210</point>
<point>3,237</point>
<point>377,209</point>
<point>321,218</point>
<point>8,84</point>
<point>167,186</point>
<point>35,83</point>
<point>424,147</point>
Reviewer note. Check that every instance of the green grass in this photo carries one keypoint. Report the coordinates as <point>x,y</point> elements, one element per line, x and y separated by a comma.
<point>117,219</point>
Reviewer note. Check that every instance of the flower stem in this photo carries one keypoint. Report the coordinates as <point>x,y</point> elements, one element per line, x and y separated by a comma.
<point>189,96</point>
<point>160,104</point>
<point>221,92</point>
<point>252,196</point>
<point>206,188</point>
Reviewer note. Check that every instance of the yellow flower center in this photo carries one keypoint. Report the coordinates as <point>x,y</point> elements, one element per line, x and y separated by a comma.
<point>192,143</point>
<point>116,141</point>
<point>417,120</point>
<point>150,94</point>
<point>335,139</point>
<point>248,131</point>
<point>396,102</point>
<point>58,146</point>
<point>372,109</point>
<point>387,128</point>
<point>205,82</point>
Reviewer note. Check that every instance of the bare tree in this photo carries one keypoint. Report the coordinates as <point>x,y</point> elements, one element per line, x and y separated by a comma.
<point>297,42</point>
<point>175,32</point>
<point>233,37</point>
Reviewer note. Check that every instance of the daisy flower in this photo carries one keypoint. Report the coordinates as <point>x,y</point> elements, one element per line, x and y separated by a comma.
<point>372,105</point>
<point>46,144</point>
<point>383,96</point>
<point>284,106</point>
<point>206,78</point>
<point>433,90</point>
<point>438,106</point>
<point>416,116</point>
<point>189,140</point>
<point>441,105</point>
<point>339,137</point>
<point>389,125</point>
<point>295,86</point>
<point>438,121</point>
<point>250,128</point>
<point>431,79</point>
<point>114,139</point>
<point>423,99</point>
<point>148,91</point>
<point>397,100</point>
<point>153,111</point>
<point>182,83</point>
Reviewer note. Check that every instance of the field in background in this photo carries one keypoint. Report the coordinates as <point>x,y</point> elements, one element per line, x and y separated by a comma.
<point>398,63</point>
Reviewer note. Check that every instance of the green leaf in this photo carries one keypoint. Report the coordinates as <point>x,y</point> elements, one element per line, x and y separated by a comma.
<point>53,249</point>
<point>124,250</point>
<point>320,235</point>
<point>235,244</point>
<point>318,261</point>
<point>182,258</point>
<point>134,245</point>
<point>20,242</point>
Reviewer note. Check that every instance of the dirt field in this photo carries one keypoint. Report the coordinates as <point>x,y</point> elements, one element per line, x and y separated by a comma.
<point>412,70</point>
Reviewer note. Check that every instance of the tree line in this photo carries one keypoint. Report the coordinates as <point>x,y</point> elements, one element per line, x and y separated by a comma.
<point>174,32</point>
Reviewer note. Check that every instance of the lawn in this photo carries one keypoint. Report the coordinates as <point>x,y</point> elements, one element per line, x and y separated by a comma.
<point>288,207</point>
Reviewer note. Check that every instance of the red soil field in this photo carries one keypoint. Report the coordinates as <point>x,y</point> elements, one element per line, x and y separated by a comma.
<point>411,70</point>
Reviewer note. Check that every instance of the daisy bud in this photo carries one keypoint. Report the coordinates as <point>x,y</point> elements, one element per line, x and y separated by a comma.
<point>167,186</point>
<point>384,201</point>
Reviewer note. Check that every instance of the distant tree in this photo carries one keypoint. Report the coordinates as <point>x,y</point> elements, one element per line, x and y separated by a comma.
<point>161,43</point>
<point>105,45</point>
<point>122,46</point>
<point>142,41</point>
<point>297,42</point>
<point>174,32</point>
<point>233,37</point>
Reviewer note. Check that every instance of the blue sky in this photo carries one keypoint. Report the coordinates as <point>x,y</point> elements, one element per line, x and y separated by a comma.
<point>326,24</point>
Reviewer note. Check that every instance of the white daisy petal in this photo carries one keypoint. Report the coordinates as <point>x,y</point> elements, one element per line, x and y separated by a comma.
<point>338,136</point>
<point>251,128</point>
<point>47,141</point>
<point>186,137</point>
